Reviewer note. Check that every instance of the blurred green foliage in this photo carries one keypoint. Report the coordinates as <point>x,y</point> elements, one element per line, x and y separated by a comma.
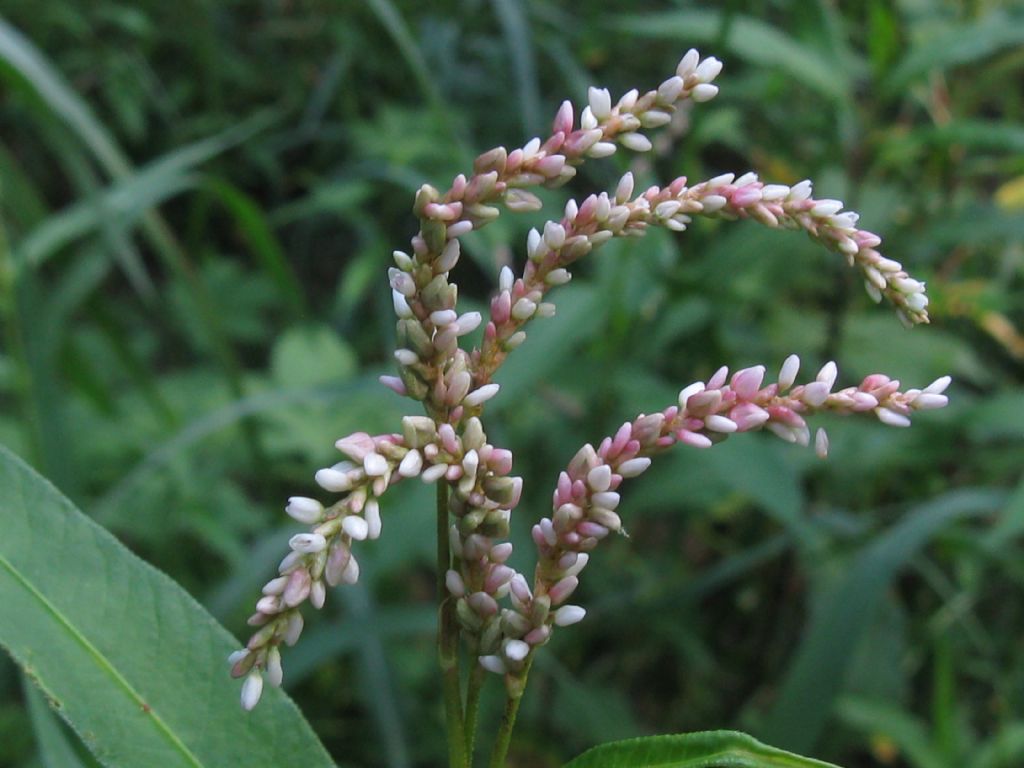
<point>198,204</point>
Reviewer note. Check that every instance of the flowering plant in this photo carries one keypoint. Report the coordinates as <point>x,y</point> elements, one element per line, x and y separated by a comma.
<point>493,618</point>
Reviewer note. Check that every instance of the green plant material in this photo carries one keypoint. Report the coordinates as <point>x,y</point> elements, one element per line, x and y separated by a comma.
<point>128,199</point>
<point>1004,750</point>
<point>710,749</point>
<point>55,749</point>
<point>106,615</point>
<point>253,224</point>
<point>749,39</point>
<point>230,415</point>
<point>817,674</point>
<point>376,680</point>
<point>956,45</point>
<point>517,36</point>
<point>581,315</point>
<point>907,733</point>
<point>391,19</point>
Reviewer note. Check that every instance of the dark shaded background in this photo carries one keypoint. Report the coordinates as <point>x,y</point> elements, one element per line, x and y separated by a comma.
<point>200,199</point>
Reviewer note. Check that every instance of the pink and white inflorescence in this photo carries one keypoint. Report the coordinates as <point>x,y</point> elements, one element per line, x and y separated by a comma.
<point>449,445</point>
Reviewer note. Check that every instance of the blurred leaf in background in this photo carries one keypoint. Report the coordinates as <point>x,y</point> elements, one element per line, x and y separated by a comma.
<point>198,204</point>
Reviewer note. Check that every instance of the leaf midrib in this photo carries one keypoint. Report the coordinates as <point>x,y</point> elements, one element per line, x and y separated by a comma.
<point>102,662</point>
<point>731,754</point>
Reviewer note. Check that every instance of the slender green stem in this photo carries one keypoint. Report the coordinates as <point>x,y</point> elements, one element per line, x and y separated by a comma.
<point>448,640</point>
<point>474,686</point>
<point>508,717</point>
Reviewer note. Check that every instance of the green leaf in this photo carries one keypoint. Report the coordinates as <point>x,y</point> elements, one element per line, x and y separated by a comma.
<point>878,718</point>
<point>710,749</point>
<point>254,226</point>
<point>129,660</point>
<point>21,56</point>
<point>748,39</point>
<point>819,668</point>
<point>956,45</point>
<point>55,749</point>
<point>307,356</point>
<point>133,195</point>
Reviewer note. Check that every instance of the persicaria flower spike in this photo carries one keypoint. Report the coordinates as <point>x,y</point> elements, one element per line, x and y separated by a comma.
<point>496,611</point>
<point>586,498</point>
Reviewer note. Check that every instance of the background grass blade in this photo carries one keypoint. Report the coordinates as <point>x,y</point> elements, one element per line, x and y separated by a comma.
<point>958,44</point>
<point>130,660</point>
<point>517,39</point>
<point>134,195</point>
<point>817,673</point>
<point>747,38</point>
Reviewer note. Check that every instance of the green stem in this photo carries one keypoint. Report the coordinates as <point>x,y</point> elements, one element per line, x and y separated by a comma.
<point>473,689</point>
<point>448,640</point>
<point>508,717</point>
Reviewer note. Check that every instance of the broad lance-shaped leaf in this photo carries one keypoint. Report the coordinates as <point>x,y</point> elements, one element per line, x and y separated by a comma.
<point>709,749</point>
<point>127,657</point>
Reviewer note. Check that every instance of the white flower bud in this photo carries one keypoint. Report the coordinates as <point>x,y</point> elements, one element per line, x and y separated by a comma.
<point>375,465</point>
<point>306,511</point>
<point>569,614</point>
<point>402,308</point>
<point>252,689</point>
<point>307,543</point>
<point>821,443</point>
<point>938,386</point>
<point>704,92</point>
<point>634,467</point>
<point>892,418</point>
<point>708,69</point>
<point>482,394</point>
<point>600,478</point>
<point>332,480</point>
<point>600,103</point>
<point>411,464</point>
<point>506,277</point>
<point>355,527</point>
<point>636,142</point>
<point>602,149</point>
<point>516,650</point>
<point>493,664</point>
<point>274,671</point>
<point>826,207</point>
<point>787,375</point>
<point>688,64</point>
